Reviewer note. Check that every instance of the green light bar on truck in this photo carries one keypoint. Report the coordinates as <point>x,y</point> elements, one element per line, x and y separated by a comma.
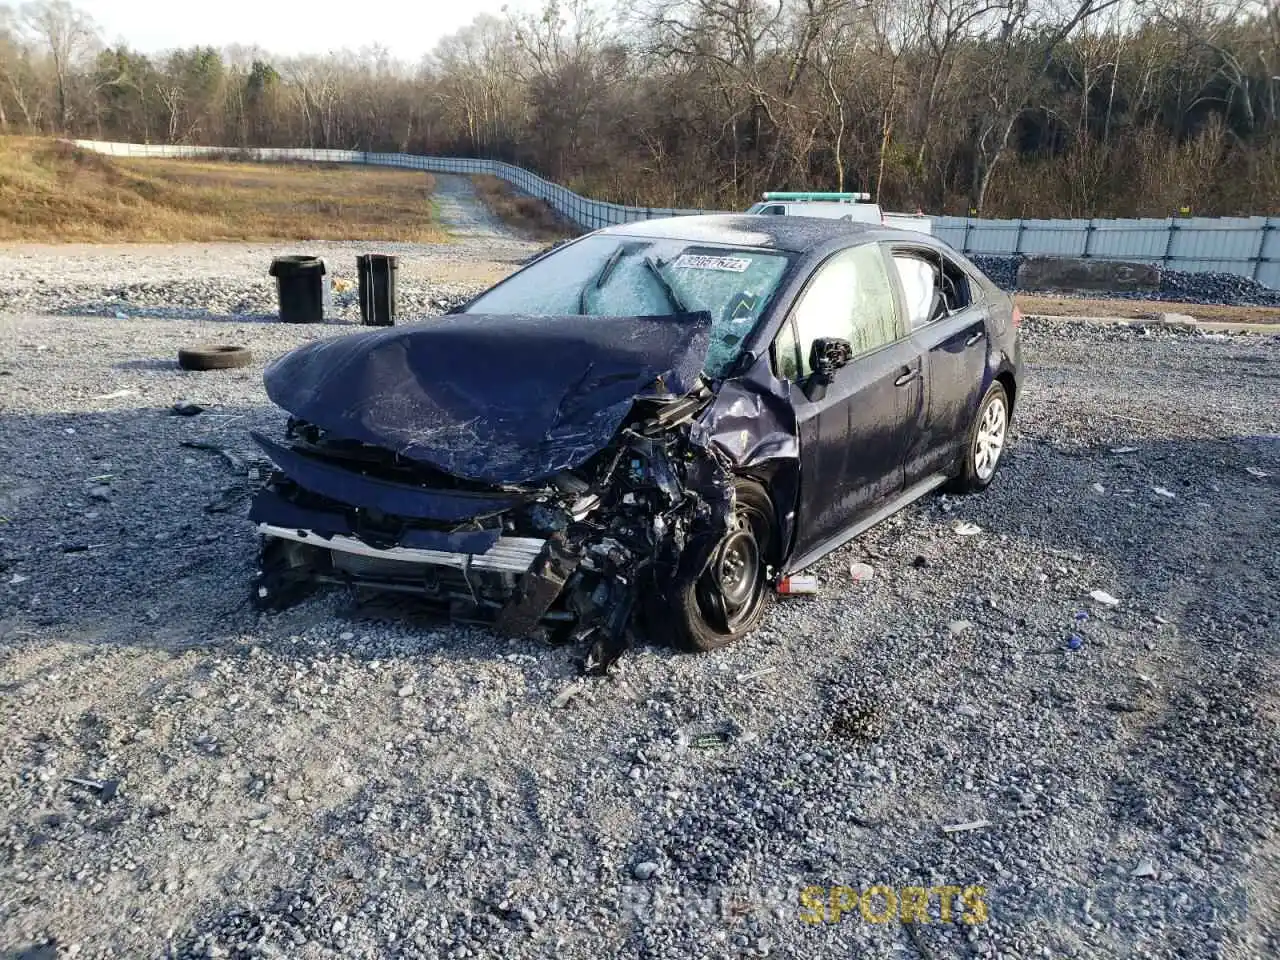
<point>806,195</point>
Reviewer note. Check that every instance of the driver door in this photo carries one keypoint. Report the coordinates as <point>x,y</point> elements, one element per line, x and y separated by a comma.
<point>855,434</point>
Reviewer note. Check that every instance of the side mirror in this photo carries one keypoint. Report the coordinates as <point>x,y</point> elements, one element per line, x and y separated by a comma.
<point>827,355</point>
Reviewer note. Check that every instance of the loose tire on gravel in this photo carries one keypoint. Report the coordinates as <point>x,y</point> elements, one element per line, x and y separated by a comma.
<point>219,356</point>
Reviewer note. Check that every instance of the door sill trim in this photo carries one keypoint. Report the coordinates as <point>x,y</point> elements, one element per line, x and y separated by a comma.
<point>904,499</point>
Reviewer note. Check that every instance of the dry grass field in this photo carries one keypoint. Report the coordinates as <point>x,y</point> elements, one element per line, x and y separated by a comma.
<point>51,192</point>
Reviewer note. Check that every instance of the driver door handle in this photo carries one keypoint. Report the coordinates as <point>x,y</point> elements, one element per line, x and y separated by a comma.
<point>908,377</point>
<point>975,338</point>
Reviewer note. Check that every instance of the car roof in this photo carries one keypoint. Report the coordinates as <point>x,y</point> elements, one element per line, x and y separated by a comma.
<point>794,234</point>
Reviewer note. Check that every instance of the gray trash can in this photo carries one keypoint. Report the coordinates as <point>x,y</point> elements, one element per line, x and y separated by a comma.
<point>300,288</point>
<point>377,276</point>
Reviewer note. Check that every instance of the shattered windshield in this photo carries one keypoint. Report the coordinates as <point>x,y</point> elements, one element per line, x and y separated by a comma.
<point>614,276</point>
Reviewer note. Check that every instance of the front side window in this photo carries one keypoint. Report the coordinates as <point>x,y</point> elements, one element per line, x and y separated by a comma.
<point>849,297</point>
<point>617,276</point>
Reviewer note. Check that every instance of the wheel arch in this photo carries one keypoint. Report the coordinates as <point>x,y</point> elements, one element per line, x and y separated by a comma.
<point>781,481</point>
<point>1010,383</point>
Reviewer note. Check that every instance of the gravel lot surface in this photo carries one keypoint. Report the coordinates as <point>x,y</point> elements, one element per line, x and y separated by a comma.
<point>229,282</point>
<point>336,781</point>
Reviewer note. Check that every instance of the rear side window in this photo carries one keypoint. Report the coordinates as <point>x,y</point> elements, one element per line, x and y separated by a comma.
<point>934,286</point>
<point>848,297</point>
<point>920,285</point>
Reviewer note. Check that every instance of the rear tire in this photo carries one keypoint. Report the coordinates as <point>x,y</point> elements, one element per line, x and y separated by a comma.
<point>730,599</point>
<point>984,444</point>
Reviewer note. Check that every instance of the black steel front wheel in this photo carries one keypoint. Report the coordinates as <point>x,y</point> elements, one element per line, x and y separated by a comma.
<point>729,599</point>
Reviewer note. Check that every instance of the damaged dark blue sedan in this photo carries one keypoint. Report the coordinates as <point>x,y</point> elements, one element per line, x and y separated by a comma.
<point>646,427</point>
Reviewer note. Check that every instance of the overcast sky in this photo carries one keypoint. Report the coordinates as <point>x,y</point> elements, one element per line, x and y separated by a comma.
<point>408,28</point>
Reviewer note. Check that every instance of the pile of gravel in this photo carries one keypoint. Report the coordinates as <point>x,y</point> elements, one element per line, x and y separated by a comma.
<point>1002,271</point>
<point>1039,329</point>
<point>1229,288</point>
<point>1175,285</point>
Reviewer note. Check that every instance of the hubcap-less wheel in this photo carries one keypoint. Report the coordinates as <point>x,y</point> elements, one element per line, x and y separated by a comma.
<point>729,593</point>
<point>990,439</point>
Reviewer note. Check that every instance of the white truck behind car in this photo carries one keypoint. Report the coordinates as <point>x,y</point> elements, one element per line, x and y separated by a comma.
<point>838,206</point>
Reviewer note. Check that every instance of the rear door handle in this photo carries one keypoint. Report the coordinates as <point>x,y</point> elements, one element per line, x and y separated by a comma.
<point>975,338</point>
<point>906,378</point>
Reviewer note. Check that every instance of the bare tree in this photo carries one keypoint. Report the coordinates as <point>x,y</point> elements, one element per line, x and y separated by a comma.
<point>1045,107</point>
<point>69,36</point>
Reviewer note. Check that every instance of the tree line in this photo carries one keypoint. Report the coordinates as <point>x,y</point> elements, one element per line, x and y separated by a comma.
<point>1001,107</point>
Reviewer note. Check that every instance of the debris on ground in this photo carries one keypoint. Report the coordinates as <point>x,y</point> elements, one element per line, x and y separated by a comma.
<point>105,789</point>
<point>797,586</point>
<point>860,572</point>
<point>970,825</point>
<point>966,529</point>
<point>217,356</point>
<point>186,409</point>
<point>1145,870</point>
<point>233,461</point>
<point>1104,598</point>
<point>569,693</point>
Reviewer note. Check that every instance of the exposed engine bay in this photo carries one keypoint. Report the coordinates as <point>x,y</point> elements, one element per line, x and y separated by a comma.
<point>565,559</point>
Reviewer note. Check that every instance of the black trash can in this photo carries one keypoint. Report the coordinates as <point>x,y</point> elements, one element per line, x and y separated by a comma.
<point>377,273</point>
<point>300,287</point>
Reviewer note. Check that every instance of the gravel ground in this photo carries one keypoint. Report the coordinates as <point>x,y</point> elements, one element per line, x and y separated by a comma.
<point>338,781</point>
<point>229,282</point>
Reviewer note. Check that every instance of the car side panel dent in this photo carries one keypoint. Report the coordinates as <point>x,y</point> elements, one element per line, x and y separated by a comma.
<point>752,424</point>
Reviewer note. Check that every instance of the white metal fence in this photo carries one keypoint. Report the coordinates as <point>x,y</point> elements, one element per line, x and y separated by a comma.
<point>1248,246</point>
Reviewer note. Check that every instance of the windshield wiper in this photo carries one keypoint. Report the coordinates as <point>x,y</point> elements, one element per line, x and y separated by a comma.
<point>672,297</point>
<point>601,277</point>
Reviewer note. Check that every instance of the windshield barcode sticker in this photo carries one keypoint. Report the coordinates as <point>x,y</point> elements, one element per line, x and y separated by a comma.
<point>689,261</point>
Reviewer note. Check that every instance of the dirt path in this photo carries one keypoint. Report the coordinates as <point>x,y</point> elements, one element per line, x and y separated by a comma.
<point>464,214</point>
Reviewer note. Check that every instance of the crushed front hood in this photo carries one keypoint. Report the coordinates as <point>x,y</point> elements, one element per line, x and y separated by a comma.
<point>495,399</point>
